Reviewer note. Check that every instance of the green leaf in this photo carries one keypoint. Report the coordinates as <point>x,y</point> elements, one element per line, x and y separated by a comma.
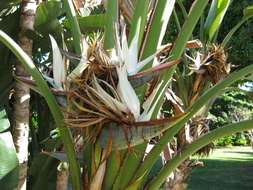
<point>28,64</point>
<point>178,49</point>
<point>75,29</point>
<point>8,156</point>
<point>215,16</point>
<point>158,27</point>
<point>89,23</point>
<point>202,101</point>
<point>4,122</point>
<point>194,147</point>
<point>112,168</point>
<point>46,19</point>
<point>176,52</point>
<point>43,171</point>
<point>135,185</point>
<point>140,15</point>
<point>128,167</point>
<point>62,156</point>
<point>111,18</point>
<point>9,162</point>
<point>9,24</point>
<point>92,22</point>
<point>248,11</point>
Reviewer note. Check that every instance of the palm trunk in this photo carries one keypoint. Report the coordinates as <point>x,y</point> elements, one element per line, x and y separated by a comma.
<point>177,181</point>
<point>22,93</point>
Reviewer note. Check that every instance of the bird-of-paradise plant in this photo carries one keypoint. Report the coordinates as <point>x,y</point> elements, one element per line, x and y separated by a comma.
<point>107,103</point>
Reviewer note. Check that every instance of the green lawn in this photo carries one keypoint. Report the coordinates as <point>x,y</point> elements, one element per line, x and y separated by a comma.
<point>225,169</point>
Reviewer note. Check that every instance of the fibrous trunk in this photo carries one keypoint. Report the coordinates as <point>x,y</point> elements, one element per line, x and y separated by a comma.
<point>22,93</point>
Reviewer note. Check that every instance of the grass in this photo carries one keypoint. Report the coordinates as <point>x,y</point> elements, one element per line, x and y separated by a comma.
<point>225,169</point>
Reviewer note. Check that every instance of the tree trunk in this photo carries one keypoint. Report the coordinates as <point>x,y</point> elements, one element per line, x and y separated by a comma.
<point>22,93</point>
<point>177,180</point>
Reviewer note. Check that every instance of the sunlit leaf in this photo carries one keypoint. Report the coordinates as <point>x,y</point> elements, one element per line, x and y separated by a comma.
<point>215,16</point>
<point>8,156</point>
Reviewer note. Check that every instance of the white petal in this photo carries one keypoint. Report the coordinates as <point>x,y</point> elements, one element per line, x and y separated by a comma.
<point>50,81</point>
<point>144,62</point>
<point>113,103</point>
<point>150,103</point>
<point>131,59</point>
<point>59,72</point>
<point>127,93</point>
<point>115,60</point>
<point>124,45</point>
<point>83,64</point>
<point>198,60</point>
<point>118,49</point>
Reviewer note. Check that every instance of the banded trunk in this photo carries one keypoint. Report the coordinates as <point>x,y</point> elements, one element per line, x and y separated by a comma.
<point>22,93</point>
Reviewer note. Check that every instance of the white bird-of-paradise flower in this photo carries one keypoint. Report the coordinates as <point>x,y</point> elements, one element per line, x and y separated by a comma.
<point>198,62</point>
<point>127,93</point>
<point>83,64</point>
<point>129,55</point>
<point>126,62</point>
<point>59,70</point>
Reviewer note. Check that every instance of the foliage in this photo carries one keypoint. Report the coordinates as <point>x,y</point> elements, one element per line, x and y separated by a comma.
<point>231,107</point>
<point>226,168</point>
<point>240,47</point>
<point>235,105</point>
<point>8,157</point>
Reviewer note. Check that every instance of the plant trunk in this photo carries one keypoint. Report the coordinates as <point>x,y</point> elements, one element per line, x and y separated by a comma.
<point>62,176</point>
<point>22,93</point>
<point>177,180</point>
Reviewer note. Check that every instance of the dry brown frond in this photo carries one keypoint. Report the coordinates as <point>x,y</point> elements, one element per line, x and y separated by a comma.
<point>218,68</point>
<point>199,127</point>
<point>211,65</point>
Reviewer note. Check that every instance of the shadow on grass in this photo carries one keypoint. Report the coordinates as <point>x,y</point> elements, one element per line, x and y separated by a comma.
<point>221,174</point>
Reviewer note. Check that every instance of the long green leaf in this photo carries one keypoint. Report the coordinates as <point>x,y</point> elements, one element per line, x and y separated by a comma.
<point>54,108</point>
<point>140,15</point>
<point>129,166</point>
<point>9,25</point>
<point>178,49</point>
<point>155,34</point>
<point>171,132</point>
<point>194,15</point>
<point>182,8</point>
<point>75,29</point>
<point>89,23</point>
<point>194,147</point>
<point>111,18</point>
<point>248,13</point>
<point>215,16</point>
<point>4,121</point>
<point>8,156</point>
<point>163,11</point>
<point>92,22</point>
<point>9,162</point>
<point>43,171</point>
<point>112,169</point>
